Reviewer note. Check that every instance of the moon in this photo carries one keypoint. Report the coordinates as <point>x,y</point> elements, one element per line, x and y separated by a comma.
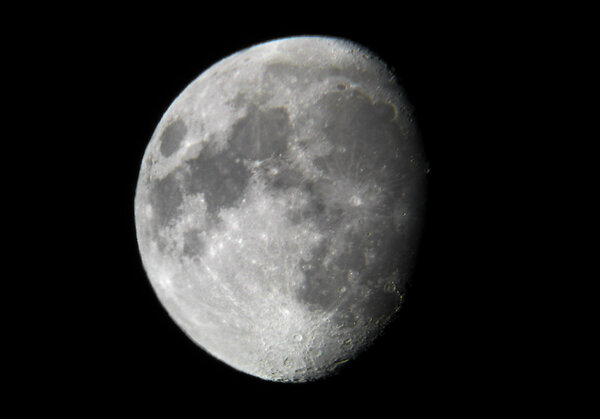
<point>279,206</point>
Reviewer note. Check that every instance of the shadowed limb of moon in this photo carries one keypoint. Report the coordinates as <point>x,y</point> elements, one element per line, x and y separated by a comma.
<point>279,204</point>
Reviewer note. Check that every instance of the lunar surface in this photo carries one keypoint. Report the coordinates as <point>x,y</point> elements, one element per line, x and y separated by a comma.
<point>279,204</point>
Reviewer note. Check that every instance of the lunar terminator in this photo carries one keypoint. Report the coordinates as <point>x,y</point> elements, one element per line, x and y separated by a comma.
<point>279,206</point>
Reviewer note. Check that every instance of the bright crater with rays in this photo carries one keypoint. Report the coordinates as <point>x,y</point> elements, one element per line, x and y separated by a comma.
<point>279,205</point>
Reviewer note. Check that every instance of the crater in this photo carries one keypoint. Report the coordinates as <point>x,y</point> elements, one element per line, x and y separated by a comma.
<point>382,303</point>
<point>171,137</point>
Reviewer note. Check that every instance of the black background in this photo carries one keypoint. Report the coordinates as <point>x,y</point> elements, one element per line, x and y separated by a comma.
<point>107,78</point>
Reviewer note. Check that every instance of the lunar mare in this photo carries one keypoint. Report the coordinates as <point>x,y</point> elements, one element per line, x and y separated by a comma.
<point>279,205</point>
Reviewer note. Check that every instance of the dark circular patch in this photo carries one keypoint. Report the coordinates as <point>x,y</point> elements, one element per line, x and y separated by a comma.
<point>171,137</point>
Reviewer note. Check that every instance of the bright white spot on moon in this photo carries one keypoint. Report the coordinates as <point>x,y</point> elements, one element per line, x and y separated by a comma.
<point>355,201</point>
<point>279,205</point>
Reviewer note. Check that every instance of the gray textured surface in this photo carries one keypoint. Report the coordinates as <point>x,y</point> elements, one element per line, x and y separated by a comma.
<point>278,206</point>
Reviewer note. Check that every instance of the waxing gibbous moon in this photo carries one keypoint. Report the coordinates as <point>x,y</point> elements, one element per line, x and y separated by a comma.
<point>279,205</point>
